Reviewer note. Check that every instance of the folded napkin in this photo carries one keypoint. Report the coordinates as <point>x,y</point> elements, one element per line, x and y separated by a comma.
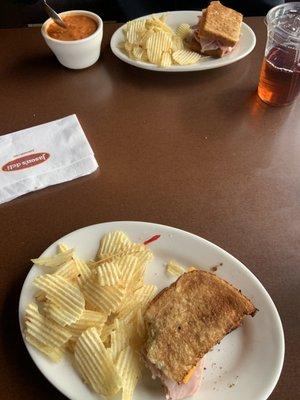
<point>44,155</point>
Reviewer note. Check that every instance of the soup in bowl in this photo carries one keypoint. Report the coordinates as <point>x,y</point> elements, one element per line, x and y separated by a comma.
<point>78,45</point>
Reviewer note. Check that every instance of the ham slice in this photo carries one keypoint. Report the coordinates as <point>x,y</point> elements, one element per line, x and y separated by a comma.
<point>211,44</point>
<point>174,390</point>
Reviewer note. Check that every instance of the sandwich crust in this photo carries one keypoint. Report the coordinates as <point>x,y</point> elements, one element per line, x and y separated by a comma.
<point>185,320</point>
<point>221,23</point>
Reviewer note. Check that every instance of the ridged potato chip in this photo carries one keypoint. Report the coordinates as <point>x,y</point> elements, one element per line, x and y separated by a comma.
<point>185,57</point>
<point>102,298</point>
<point>138,52</point>
<point>139,299</point>
<point>133,248</point>
<point>184,31</point>
<point>129,368</point>
<point>54,353</point>
<point>156,45</point>
<point>67,270</point>
<point>118,341</point>
<point>140,324</point>
<point>62,248</point>
<point>166,59</point>
<point>108,274</point>
<point>55,260</point>
<point>95,364</point>
<point>177,43</point>
<point>159,25</point>
<point>88,319</point>
<point>112,243</point>
<point>84,272</point>
<point>106,331</point>
<point>66,301</point>
<point>175,269</point>
<point>44,334</point>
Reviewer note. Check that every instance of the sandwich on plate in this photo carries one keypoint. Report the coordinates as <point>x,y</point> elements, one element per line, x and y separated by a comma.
<point>184,322</point>
<point>217,32</point>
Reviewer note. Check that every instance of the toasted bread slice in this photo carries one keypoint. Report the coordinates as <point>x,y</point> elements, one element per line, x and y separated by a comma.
<point>185,320</point>
<point>221,23</point>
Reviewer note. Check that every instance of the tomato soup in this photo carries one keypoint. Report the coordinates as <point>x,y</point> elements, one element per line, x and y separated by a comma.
<point>78,27</point>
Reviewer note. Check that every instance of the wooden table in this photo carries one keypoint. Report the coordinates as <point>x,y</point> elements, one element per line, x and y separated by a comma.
<point>197,151</point>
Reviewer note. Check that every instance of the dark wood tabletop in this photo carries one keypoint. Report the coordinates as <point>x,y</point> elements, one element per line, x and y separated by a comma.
<point>198,151</point>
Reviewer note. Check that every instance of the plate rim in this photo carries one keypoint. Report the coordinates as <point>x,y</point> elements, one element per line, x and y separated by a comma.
<point>151,67</point>
<point>268,390</point>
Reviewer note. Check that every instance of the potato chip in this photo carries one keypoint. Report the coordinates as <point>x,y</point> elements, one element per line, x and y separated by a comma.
<point>67,270</point>
<point>133,248</point>
<point>54,353</point>
<point>95,364</point>
<point>66,301</point>
<point>54,261</point>
<point>177,43</point>
<point>129,369</point>
<point>190,269</point>
<point>106,331</point>
<point>62,248</point>
<point>137,52</point>
<point>87,320</point>
<point>175,269</point>
<point>127,266</point>
<point>185,57</point>
<point>156,45</point>
<point>112,243</point>
<point>184,31</point>
<point>44,334</point>
<point>159,25</point>
<point>133,30</point>
<point>128,47</point>
<point>83,271</point>
<point>140,324</point>
<point>119,340</point>
<point>139,299</point>
<point>166,59</point>
<point>136,24</point>
<point>102,298</point>
<point>108,274</point>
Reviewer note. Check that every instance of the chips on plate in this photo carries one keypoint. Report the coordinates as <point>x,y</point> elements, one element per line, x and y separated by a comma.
<point>95,309</point>
<point>152,40</point>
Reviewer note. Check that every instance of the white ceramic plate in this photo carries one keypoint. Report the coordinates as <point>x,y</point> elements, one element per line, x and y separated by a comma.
<point>247,363</point>
<point>174,19</point>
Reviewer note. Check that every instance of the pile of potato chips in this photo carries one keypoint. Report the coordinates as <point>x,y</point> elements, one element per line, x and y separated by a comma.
<point>94,310</point>
<point>152,40</point>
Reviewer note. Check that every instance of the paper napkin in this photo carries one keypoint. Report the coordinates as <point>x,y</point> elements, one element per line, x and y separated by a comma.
<point>44,155</point>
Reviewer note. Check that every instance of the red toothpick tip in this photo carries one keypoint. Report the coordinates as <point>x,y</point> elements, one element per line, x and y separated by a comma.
<point>152,239</point>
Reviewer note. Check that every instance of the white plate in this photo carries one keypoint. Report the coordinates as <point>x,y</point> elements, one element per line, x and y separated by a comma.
<point>247,363</point>
<point>174,19</point>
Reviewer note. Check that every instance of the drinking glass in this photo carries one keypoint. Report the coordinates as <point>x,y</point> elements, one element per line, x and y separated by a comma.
<point>279,81</point>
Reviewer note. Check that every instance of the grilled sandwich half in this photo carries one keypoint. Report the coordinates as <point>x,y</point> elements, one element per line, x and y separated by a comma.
<point>184,321</point>
<point>217,31</point>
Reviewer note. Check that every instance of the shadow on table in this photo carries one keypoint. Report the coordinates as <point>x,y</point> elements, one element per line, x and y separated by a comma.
<point>17,366</point>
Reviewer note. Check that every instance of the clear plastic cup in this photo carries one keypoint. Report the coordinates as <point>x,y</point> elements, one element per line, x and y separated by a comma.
<point>279,81</point>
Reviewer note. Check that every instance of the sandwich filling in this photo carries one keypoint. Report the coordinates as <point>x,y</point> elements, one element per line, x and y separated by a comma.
<point>208,44</point>
<point>174,390</point>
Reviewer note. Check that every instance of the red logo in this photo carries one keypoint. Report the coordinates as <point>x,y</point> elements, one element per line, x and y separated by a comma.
<point>25,162</point>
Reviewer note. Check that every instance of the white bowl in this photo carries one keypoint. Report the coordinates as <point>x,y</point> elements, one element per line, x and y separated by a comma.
<point>76,54</point>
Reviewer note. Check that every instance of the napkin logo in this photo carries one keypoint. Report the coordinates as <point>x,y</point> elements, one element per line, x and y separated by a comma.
<point>27,161</point>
